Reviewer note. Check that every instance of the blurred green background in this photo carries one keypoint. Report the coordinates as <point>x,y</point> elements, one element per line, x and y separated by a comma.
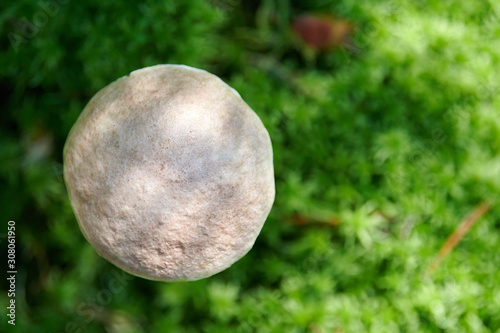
<point>384,140</point>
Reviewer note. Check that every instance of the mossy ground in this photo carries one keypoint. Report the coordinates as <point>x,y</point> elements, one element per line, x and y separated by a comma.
<point>381,146</point>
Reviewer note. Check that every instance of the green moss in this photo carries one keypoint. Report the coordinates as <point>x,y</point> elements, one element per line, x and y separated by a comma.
<point>383,146</point>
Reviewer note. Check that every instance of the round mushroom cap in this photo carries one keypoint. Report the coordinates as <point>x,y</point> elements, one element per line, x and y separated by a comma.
<point>169,173</point>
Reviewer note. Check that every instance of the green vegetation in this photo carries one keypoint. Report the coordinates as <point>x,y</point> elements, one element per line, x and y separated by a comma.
<point>382,146</point>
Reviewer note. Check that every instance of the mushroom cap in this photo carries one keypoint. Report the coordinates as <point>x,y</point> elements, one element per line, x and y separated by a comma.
<point>169,173</point>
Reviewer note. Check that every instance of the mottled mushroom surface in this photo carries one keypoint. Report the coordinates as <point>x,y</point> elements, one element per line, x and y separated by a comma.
<point>169,173</point>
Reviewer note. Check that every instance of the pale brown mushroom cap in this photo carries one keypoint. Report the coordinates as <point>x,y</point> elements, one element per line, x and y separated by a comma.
<point>169,173</point>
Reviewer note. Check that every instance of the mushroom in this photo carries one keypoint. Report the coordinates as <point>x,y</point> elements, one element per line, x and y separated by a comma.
<point>169,173</point>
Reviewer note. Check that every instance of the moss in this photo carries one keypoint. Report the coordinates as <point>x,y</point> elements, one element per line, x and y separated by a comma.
<point>382,146</point>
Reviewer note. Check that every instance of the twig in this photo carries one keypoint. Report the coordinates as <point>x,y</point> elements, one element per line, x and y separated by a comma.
<point>384,215</point>
<point>308,221</point>
<point>457,235</point>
